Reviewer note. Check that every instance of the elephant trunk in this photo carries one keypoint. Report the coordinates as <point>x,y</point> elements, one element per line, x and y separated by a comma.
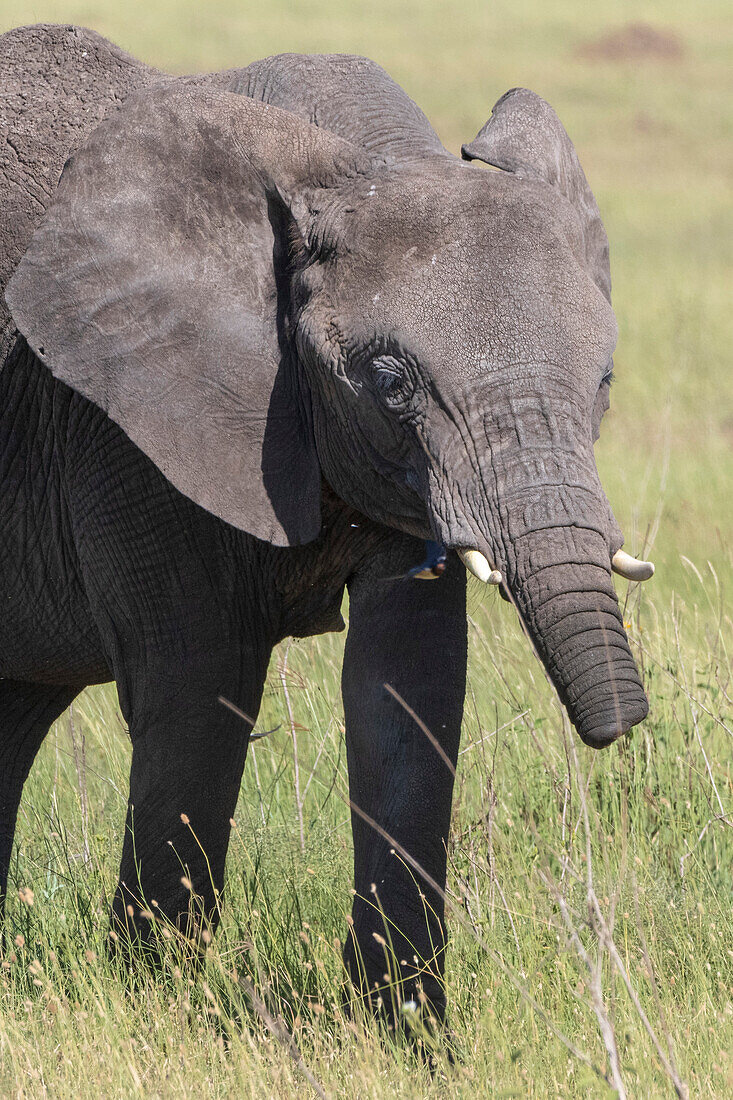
<point>539,516</point>
<point>560,582</point>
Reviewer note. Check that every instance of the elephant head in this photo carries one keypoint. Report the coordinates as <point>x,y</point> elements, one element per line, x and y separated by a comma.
<point>260,304</point>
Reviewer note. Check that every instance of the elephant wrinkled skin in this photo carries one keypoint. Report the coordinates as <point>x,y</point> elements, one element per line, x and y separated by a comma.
<point>263,337</point>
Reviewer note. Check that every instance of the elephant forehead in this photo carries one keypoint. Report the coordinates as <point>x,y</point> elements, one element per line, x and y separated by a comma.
<point>482,273</point>
<point>454,203</point>
<point>495,314</point>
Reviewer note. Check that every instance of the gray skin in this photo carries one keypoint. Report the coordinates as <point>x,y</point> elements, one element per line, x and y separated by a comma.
<point>263,337</point>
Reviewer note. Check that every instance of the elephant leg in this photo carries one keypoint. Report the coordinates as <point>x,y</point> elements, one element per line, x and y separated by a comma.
<point>410,634</point>
<point>177,609</point>
<point>27,712</point>
<point>187,760</point>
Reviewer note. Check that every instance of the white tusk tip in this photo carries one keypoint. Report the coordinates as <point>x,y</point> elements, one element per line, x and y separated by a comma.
<point>632,569</point>
<point>476,563</point>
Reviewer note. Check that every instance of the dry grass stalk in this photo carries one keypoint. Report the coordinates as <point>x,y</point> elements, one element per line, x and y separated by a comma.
<point>279,1031</point>
<point>283,674</point>
<point>79,748</point>
<point>599,926</point>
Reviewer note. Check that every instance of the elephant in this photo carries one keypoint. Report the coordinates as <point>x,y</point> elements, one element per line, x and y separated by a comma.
<point>263,339</point>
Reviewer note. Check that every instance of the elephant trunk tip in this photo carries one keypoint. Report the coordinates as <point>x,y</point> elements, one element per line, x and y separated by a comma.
<point>601,728</point>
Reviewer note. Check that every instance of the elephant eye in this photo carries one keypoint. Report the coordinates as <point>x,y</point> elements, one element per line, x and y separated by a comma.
<point>602,402</point>
<point>392,381</point>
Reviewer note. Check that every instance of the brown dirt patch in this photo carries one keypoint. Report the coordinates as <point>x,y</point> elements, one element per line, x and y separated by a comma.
<point>634,42</point>
<point>648,126</point>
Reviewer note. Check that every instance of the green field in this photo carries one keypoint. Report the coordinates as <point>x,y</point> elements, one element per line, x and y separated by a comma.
<point>649,823</point>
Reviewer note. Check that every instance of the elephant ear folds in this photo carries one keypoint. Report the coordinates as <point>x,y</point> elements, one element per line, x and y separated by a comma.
<point>150,288</point>
<point>524,136</point>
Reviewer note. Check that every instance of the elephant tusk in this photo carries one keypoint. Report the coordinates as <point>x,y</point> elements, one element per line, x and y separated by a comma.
<point>476,563</point>
<point>633,569</point>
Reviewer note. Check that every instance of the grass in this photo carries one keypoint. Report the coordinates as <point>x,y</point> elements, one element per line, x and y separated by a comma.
<point>654,138</point>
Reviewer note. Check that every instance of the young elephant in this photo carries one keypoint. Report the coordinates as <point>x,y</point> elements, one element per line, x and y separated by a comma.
<point>265,337</point>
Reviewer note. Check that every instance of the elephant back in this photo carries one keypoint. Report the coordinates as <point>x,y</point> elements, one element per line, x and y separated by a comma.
<point>351,96</point>
<point>57,83</point>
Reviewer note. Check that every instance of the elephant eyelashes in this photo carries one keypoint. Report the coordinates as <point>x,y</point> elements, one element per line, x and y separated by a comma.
<point>601,403</point>
<point>392,382</point>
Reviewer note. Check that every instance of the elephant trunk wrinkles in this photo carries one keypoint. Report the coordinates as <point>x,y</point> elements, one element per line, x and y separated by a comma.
<point>540,517</point>
<point>561,584</point>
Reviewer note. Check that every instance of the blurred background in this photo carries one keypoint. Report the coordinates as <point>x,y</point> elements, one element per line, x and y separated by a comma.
<point>645,91</point>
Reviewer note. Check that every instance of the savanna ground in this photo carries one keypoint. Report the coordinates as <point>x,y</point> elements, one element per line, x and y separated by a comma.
<point>537,974</point>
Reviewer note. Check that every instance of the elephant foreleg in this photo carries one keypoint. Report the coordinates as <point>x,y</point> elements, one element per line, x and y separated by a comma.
<point>187,761</point>
<point>26,714</point>
<point>411,635</point>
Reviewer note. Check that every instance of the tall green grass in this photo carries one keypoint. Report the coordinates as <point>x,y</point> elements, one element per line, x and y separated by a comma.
<point>659,849</point>
<point>650,820</point>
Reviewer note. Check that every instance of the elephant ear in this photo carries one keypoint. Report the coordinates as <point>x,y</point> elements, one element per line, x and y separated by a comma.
<point>154,288</point>
<point>524,136</point>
